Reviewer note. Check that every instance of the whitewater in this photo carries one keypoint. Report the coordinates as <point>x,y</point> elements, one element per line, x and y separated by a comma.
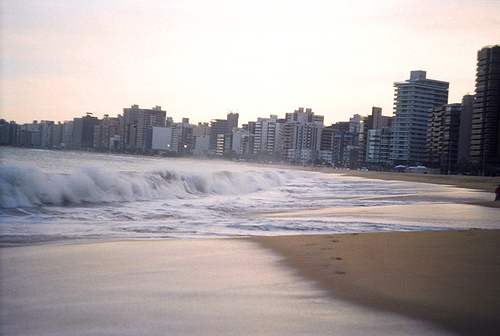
<point>54,196</point>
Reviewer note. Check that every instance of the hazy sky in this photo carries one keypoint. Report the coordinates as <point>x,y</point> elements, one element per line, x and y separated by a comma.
<point>202,59</point>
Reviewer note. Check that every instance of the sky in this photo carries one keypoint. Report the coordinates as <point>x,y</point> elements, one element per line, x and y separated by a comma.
<point>203,59</point>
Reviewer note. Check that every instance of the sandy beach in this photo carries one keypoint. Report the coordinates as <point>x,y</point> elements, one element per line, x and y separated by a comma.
<point>176,287</point>
<point>432,283</point>
<point>448,277</point>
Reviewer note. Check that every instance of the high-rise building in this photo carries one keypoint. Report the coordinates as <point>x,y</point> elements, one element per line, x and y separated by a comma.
<point>355,123</point>
<point>465,128</point>
<point>266,135</point>
<point>485,132</point>
<point>175,138</point>
<point>217,126</point>
<point>106,131</point>
<point>413,99</point>
<point>57,132</point>
<point>162,141</point>
<point>183,136</point>
<point>339,145</point>
<point>46,128</point>
<point>83,132</point>
<point>222,126</point>
<point>67,134</point>
<point>224,143</point>
<point>201,135</point>
<point>8,132</point>
<point>232,121</point>
<point>377,145</point>
<point>241,142</point>
<point>443,136</point>
<point>302,135</point>
<point>138,127</point>
<point>29,134</point>
<point>375,121</point>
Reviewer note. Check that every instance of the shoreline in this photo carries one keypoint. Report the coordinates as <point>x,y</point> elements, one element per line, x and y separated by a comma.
<point>450,278</point>
<point>486,184</point>
<point>480,183</point>
<point>483,183</point>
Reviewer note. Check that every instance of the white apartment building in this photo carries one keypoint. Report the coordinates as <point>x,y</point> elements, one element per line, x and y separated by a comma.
<point>267,135</point>
<point>413,99</point>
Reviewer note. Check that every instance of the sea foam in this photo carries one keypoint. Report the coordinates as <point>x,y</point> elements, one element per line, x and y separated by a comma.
<point>25,186</point>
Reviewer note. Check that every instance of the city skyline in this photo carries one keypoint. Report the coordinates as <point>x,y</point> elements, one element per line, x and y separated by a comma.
<point>425,128</point>
<point>203,59</point>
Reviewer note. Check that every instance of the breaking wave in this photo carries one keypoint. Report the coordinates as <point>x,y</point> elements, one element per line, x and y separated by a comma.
<point>22,186</point>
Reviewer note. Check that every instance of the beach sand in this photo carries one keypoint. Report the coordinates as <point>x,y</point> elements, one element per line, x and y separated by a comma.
<point>178,287</point>
<point>432,216</point>
<point>448,277</point>
<point>411,283</point>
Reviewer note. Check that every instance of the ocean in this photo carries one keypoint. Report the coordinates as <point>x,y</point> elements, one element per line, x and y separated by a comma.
<point>58,196</point>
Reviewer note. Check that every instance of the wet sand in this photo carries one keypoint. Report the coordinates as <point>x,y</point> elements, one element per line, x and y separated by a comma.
<point>448,277</point>
<point>175,287</point>
<point>451,278</point>
<point>430,206</point>
<point>423,215</point>
<point>411,283</point>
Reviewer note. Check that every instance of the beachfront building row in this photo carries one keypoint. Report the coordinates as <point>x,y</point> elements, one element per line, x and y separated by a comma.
<point>470,132</point>
<point>424,129</point>
<point>299,138</point>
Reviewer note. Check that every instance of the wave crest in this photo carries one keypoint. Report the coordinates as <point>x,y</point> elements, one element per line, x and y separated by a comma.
<point>22,186</point>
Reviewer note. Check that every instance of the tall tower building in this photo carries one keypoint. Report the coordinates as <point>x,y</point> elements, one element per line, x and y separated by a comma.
<point>339,143</point>
<point>302,135</point>
<point>465,128</point>
<point>413,99</point>
<point>219,127</point>
<point>375,121</point>
<point>138,127</point>
<point>266,135</point>
<point>485,132</point>
<point>83,132</point>
<point>443,136</point>
<point>232,121</point>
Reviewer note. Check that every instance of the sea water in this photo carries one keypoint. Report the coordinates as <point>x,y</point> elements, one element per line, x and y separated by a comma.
<point>48,196</point>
